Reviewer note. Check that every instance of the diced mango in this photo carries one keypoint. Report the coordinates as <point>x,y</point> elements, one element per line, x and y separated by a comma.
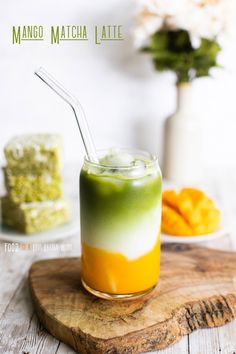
<point>169,197</point>
<point>188,212</point>
<point>173,223</point>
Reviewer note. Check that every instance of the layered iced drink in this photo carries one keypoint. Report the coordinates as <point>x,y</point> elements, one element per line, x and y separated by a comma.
<point>120,201</point>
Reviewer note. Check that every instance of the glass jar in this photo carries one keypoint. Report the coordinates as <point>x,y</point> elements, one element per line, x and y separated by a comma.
<point>120,209</point>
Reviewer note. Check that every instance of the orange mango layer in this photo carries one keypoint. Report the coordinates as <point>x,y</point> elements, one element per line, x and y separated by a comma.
<point>115,274</point>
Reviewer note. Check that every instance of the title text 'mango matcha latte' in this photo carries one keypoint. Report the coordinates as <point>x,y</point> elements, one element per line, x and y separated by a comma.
<point>120,224</point>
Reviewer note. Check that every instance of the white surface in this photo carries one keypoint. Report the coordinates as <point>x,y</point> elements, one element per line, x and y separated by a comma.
<point>195,239</point>
<point>126,101</point>
<point>52,235</point>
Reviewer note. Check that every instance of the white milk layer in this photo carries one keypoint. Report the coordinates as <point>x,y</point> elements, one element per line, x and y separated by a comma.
<point>132,242</point>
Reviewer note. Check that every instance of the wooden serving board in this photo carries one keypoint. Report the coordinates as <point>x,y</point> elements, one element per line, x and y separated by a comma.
<point>197,289</point>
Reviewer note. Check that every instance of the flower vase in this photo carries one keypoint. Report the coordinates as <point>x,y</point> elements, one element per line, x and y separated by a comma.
<point>183,140</point>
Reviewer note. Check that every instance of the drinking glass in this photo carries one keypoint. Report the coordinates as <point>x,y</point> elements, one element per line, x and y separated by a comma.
<point>120,210</point>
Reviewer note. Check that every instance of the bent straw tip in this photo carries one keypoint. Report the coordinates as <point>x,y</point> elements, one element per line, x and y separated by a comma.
<point>77,109</point>
<point>36,71</point>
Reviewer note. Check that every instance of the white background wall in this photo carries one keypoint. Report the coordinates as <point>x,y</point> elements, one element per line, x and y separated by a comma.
<point>126,101</point>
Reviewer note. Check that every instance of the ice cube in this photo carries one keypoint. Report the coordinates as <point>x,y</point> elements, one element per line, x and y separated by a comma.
<point>138,170</point>
<point>94,170</point>
<point>117,158</point>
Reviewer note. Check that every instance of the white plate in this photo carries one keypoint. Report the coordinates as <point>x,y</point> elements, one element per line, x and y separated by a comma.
<point>223,231</point>
<point>58,233</point>
<point>194,239</point>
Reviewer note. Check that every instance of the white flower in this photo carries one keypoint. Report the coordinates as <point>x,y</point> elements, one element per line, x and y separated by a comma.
<point>148,23</point>
<point>153,15</point>
<point>201,18</point>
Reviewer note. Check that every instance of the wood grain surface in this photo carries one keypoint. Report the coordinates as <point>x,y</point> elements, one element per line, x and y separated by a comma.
<point>197,289</point>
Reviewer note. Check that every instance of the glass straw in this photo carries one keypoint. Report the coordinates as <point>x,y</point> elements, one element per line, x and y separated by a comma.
<point>77,109</point>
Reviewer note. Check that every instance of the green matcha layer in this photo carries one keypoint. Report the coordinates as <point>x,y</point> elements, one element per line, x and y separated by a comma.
<point>34,154</point>
<point>31,218</point>
<point>32,188</point>
<point>115,209</point>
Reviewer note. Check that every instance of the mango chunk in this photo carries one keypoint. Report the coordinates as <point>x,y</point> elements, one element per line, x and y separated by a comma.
<point>173,223</point>
<point>189,212</point>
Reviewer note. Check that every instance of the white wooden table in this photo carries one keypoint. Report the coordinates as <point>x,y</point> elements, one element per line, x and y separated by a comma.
<point>21,333</point>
